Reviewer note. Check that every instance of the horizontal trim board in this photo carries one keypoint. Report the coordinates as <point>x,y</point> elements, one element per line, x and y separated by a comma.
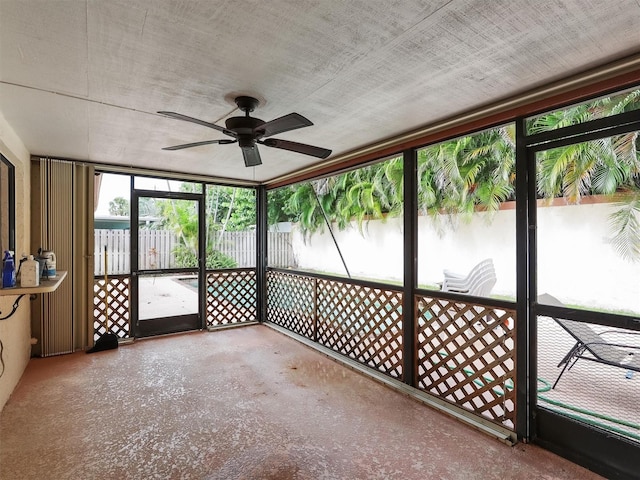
<point>588,137</point>
<point>628,322</point>
<point>579,129</point>
<point>460,297</point>
<point>162,195</point>
<point>232,325</point>
<point>149,172</point>
<point>335,278</point>
<point>165,325</point>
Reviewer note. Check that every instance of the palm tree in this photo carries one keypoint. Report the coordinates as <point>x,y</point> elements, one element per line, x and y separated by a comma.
<point>302,205</point>
<point>459,176</point>
<point>371,192</point>
<point>604,166</point>
<point>181,216</point>
<point>478,172</point>
<point>363,194</point>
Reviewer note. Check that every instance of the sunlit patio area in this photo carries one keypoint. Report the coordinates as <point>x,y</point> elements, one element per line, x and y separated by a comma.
<point>601,395</point>
<point>167,295</point>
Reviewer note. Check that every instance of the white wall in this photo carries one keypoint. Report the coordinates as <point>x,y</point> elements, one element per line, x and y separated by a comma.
<point>377,255</point>
<point>453,244</point>
<point>576,263</point>
<point>15,332</point>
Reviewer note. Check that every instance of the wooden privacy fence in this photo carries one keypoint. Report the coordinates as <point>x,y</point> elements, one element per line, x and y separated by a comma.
<point>156,249</point>
<point>280,250</point>
<point>118,244</point>
<point>241,246</point>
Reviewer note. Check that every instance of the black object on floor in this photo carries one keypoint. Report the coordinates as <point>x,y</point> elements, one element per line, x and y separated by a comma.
<point>108,341</point>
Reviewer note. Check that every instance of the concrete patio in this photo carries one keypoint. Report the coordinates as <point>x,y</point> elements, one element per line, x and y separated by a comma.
<point>596,388</point>
<point>245,403</point>
<point>166,296</point>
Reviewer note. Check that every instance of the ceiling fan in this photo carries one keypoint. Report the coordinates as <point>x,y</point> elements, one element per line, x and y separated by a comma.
<point>249,131</point>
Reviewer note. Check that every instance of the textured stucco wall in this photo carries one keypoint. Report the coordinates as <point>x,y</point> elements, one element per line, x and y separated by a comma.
<point>576,262</point>
<point>15,332</point>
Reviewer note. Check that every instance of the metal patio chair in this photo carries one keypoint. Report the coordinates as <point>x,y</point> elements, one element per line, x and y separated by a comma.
<point>592,345</point>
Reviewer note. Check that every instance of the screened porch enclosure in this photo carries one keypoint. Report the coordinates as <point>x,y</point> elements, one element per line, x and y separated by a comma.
<point>405,307</point>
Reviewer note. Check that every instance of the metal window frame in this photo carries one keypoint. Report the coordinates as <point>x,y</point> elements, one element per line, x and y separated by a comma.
<point>601,451</point>
<point>11,198</point>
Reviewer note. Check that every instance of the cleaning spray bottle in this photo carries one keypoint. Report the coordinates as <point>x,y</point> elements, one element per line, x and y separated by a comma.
<point>8,271</point>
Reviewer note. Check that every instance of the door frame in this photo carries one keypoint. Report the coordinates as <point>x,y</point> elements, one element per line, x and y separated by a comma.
<point>599,450</point>
<point>174,324</point>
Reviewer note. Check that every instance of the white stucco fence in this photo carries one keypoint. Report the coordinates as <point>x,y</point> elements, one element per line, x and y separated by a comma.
<point>576,262</point>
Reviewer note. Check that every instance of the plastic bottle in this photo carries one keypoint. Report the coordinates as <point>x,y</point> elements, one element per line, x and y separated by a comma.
<point>23,259</point>
<point>30,276</point>
<point>8,271</point>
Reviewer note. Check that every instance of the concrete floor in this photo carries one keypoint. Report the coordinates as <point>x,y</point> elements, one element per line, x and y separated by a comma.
<point>246,403</point>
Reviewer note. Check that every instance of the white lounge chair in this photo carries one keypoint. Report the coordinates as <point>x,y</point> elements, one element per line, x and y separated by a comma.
<point>478,282</point>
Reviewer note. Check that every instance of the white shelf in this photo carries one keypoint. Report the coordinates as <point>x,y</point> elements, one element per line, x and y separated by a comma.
<point>46,286</point>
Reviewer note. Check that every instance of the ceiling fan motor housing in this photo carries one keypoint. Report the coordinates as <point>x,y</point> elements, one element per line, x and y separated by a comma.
<point>247,104</point>
<point>245,126</point>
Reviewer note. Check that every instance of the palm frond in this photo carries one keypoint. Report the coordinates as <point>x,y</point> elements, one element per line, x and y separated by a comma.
<point>626,223</point>
<point>625,148</point>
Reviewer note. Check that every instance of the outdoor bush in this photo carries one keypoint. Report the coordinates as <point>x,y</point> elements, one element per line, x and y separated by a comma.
<point>217,259</point>
<point>185,257</point>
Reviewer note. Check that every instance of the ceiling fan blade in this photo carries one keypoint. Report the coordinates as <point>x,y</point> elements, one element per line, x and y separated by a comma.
<point>251,156</point>
<point>197,144</point>
<point>284,124</point>
<point>297,147</point>
<point>179,116</point>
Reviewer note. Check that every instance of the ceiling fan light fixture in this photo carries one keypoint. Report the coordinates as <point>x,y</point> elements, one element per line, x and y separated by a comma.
<point>246,141</point>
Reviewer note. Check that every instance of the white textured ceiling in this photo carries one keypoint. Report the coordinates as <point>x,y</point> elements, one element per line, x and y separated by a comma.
<point>83,79</point>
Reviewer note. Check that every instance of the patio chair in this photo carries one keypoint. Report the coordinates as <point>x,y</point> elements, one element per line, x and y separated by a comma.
<point>592,345</point>
<point>478,282</point>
